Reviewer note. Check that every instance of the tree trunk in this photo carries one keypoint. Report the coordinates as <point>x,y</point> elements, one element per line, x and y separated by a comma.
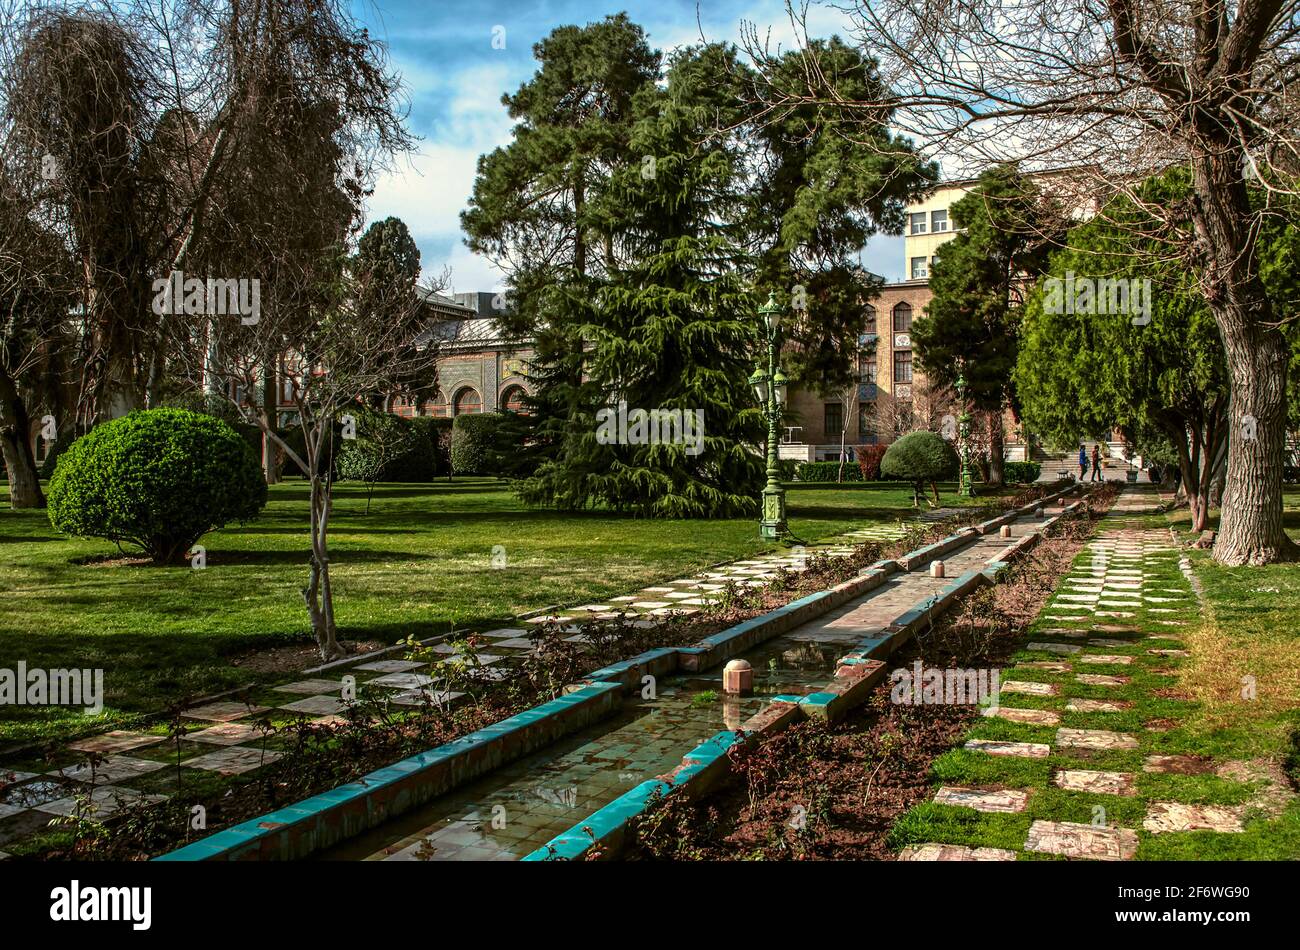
<point>997,448</point>
<point>16,445</point>
<point>270,409</point>
<point>1250,524</point>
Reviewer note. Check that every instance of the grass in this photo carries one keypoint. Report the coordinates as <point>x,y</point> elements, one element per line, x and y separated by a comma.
<point>418,563</point>
<point>1194,705</point>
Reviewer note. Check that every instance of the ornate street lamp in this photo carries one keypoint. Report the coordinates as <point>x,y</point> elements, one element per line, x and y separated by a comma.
<point>967,486</point>
<point>770,387</point>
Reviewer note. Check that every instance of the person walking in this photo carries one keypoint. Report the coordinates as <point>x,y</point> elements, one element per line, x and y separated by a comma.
<point>1083,461</point>
<point>1096,464</point>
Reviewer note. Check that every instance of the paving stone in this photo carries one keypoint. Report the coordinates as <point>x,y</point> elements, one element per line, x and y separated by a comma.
<point>235,760</point>
<point>401,680</point>
<point>1178,764</point>
<point>1106,659</point>
<point>1168,652</point>
<point>1028,750</point>
<point>1098,705</point>
<point>1100,679</point>
<point>1063,632</point>
<point>119,740</point>
<point>651,604</point>
<point>1101,783</point>
<point>390,666</point>
<point>320,705</point>
<point>112,769</point>
<point>1034,717</point>
<point>511,632</point>
<point>1005,800</point>
<point>228,733</point>
<point>1063,649</point>
<point>223,712</point>
<point>1163,817</point>
<point>1115,613</point>
<point>1029,689</point>
<point>29,795</point>
<point>1082,841</point>
<point>1066,616</point>
<point>103,801</point>
<point>1054,666</point>
<point>1109,642</point>
<point>1094,739</point>
<point>311,687</point>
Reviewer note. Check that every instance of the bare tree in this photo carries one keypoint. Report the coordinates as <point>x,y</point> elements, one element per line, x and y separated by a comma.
<point>1107,93</point>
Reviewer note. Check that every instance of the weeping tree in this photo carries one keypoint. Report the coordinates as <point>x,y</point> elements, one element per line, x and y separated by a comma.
<point>1108,93</point>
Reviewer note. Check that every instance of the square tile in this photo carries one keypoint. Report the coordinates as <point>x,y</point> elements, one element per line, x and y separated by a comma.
<point>319,705</point>
<point>119,740</point>
<point>228,733</point>
<point>104,800</point>
<point>390,666</point>
<point>115,768</point>
<point>224,712</point>
<point>235,760</point>
<point>311,687</point>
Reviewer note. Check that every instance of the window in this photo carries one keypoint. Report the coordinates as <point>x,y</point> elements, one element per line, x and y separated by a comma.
<point>902,366</point>
<point>867,368</point>
<point>869,324</point>
<point>403,408</point>
<point>867,421</point>
<point>939,221</point>
<point>903,318</point>
<point>468,403</point>
<point>512,400</point>
<point>834,418</point>
<point>918,222</point>
<point>434,407</point>
<point>919,271</point>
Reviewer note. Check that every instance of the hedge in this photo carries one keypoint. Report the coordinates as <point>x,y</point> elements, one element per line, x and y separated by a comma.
<point>473,444</point>
<point>827,472</point>
<point>1020,473</point>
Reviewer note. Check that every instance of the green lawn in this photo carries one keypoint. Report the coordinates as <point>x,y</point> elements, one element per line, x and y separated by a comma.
<point>1248,742</point>
<point>417,563</point>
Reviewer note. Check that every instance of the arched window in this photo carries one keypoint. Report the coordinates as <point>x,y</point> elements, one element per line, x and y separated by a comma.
<point>467,402</point>
<point>435,406</point>
<point>903,318</point>
<point>512,400</point>
<point>403,407</point>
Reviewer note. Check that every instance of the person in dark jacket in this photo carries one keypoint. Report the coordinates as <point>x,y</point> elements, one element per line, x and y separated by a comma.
<point>1083,461</point>
<point>1096,464</point>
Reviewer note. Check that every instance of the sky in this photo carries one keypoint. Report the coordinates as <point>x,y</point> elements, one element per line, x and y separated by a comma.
<point>455,77</point>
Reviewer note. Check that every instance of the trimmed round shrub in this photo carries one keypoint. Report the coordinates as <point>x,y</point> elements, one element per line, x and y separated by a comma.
<point>1020,473</point>
<point>159,479</point>
<point>920,457</point>
<point>387,448</point>
<point>473,443</point>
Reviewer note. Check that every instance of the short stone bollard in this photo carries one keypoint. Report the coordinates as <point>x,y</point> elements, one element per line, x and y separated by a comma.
<point>1041,512</point>
<point>738,678</point>
<point>1006,531</point>
<point>936,568</point>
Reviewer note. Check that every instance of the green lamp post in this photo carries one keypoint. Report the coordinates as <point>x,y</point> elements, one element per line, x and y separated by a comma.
<point>770,386</point>
<point>967,486</point>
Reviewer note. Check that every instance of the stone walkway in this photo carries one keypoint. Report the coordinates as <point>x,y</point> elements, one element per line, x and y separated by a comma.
<point>1067,762</point>
<point>225,738</point>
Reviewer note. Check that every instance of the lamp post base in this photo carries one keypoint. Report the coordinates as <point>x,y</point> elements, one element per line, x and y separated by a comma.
<point>773,526</point>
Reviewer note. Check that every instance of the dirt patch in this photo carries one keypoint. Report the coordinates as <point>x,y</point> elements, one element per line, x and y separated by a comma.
<point>112,560</point>
<point>294,657</point>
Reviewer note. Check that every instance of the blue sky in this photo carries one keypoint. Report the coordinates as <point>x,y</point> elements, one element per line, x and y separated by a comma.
<point>455,78</point>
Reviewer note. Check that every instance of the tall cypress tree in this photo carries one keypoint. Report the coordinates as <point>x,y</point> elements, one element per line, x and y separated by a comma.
<point>675,329</point>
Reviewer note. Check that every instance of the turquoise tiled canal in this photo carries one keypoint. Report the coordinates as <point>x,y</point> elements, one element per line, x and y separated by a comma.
<point>520,807</point>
